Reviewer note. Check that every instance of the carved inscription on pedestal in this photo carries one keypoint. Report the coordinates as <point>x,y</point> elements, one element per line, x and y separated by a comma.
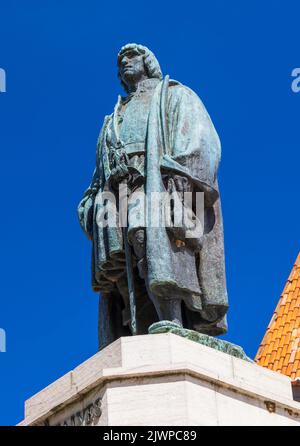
<point>87,417</point>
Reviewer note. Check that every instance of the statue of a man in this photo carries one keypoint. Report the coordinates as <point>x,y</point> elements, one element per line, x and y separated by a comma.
<point>158,139</point>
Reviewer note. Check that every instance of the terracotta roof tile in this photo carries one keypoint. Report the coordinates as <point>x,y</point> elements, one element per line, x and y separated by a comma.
<point>280,347</point>
<point>276,364</point>
<point>296,366</point>
<point>279,353</point>
<point>292,358</point>
<point>286,328</point>
<point>276,346</point>
<point>280,365</point>
<point>280,338</point>
<point>289,370</point>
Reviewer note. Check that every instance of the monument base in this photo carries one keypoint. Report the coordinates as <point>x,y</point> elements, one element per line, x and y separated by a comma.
<point>164,380</point>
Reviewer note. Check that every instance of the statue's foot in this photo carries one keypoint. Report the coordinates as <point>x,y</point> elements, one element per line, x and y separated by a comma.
<point>200,338</point>
<point>163,326</point>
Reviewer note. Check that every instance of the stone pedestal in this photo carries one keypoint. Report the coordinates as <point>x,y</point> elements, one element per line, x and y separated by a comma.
<point>164,380</point>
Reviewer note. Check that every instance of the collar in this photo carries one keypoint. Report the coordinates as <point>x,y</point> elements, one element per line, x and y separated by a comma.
<point>143,86</point>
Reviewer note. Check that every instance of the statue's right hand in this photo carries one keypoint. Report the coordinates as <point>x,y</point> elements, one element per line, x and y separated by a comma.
<point>119,174</point>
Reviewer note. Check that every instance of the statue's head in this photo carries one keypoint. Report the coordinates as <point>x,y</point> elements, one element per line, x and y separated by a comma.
<point>135,63</point>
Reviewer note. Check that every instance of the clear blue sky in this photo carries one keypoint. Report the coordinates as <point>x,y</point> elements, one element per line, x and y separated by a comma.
<point>60,60</point>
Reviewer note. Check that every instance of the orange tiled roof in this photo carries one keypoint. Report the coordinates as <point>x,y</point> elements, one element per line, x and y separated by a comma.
<point>280,347</point>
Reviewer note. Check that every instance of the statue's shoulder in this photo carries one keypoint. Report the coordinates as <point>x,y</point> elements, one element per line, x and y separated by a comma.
<point>179,90</point>
<point>187,99</point>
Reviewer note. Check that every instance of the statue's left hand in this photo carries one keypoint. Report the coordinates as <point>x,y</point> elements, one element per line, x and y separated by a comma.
<point>179,183</point>
<point>119,165</point>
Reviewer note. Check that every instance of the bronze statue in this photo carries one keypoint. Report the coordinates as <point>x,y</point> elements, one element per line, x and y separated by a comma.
<point>159,139</point>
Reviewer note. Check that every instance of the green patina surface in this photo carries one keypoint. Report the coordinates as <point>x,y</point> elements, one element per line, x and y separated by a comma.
<point>200,338</point>
<point>158,262</point>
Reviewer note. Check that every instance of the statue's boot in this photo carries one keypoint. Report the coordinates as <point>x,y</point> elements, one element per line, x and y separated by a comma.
<point>169,313</point>
<point>167,308</point>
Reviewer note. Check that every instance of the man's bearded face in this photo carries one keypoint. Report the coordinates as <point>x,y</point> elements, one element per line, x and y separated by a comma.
<point>132,68</point>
